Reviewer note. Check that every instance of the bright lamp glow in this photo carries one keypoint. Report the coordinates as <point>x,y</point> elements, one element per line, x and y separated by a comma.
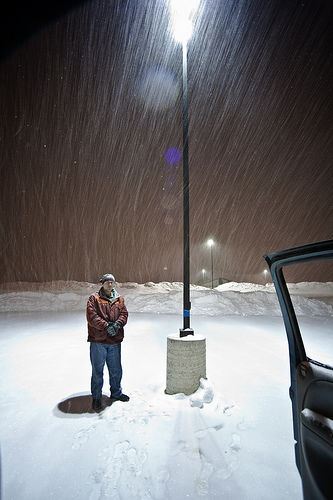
<point>210,243</point>
<point>182,15</point>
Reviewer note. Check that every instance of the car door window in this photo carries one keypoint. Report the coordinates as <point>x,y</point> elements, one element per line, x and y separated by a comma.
<point>312,299</point>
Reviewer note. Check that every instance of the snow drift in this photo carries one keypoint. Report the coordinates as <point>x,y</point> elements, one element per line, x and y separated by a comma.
<point>230,299</point>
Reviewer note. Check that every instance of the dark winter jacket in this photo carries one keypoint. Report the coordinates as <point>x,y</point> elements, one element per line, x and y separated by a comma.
<point>100,311</point>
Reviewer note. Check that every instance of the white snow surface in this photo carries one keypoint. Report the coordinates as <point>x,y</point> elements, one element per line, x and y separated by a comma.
<point>232,439</point>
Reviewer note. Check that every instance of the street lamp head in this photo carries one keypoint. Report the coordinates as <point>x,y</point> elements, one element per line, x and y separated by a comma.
<point>182,16</point>
<point>210,243</point>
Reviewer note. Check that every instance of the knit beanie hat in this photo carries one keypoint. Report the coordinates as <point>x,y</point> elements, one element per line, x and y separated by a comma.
<point>107,277</point>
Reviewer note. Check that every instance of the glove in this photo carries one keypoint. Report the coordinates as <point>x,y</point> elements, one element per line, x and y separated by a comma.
<point>117,325</point>
<point>111,329</point>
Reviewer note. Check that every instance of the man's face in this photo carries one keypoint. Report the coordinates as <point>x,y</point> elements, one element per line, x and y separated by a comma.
<point>107,287</point>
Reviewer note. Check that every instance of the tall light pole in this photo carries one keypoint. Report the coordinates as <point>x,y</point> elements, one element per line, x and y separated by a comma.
<point>210,243</point>
<point>186,352</point>
<point>182,13</point>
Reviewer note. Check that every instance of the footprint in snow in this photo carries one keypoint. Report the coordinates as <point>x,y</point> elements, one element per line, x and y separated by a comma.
<point>229,410</point>
<point>227,468</point>
<point>82,437</point>
<point>202,484</point>
<point>135,461</point>
<point>180,446</point>
<point>124,465</point>
<point>96,479</point>
<point>160,481</point>
<point>236,444</point>
<point>114,468</point>
<point>246,423</point>
<point>203,432</point>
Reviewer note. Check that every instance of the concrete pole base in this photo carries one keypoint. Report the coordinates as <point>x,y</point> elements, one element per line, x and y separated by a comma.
<point>186,363</point>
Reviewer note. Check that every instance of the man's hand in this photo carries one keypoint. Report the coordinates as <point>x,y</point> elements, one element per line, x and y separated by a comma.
<point>113,328</point>
<point>117,325</point>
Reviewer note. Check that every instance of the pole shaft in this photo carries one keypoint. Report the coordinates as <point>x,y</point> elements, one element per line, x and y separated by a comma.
<point>186,204</point>
<point>211,258</point>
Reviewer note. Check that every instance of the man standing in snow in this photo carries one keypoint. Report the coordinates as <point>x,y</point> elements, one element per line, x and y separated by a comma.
<point>106,316</point>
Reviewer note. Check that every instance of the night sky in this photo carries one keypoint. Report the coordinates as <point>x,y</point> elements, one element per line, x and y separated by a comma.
<point>91,103</point>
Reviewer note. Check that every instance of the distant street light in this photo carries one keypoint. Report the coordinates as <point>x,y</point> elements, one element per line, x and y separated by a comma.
<point>182,15</point>
<point>203,275</point>
<point>265,273</point>
<point>210,243</point>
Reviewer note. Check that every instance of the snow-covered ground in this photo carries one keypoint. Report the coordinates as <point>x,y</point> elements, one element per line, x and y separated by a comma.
<point>232,439</point>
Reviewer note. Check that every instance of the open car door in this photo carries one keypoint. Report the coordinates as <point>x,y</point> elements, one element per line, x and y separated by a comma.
<point>311,389</point>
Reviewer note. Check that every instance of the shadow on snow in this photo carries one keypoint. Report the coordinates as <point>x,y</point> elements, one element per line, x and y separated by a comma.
<point>80,405</point>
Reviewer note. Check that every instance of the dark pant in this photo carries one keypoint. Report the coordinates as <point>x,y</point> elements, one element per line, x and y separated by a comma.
<point>111,355</point>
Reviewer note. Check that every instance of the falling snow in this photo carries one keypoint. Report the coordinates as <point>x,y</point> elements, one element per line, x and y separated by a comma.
<point>91,103</point>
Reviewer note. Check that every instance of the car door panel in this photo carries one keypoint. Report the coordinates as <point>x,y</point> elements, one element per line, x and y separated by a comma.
<point>315,388</point>
<point>316,440</point>
<point>314,400</point>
